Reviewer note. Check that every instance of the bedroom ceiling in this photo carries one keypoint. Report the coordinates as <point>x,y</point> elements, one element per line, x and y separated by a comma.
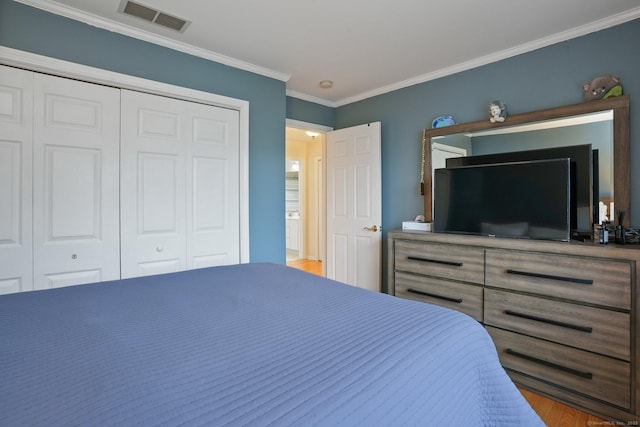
<point>365,47</point>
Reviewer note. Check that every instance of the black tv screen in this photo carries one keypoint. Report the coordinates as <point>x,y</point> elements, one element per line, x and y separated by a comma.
<point>519,199</point>
<point>583,197</point>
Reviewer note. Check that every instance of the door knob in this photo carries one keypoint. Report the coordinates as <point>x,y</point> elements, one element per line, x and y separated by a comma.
<point>373,228</point>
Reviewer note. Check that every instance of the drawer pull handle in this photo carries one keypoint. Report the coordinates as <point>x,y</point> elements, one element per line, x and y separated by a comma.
<point>435,261</point>
<point>583,374</point>
<point>550,321</point>
<point>549,276</point>
<point>427,294</point>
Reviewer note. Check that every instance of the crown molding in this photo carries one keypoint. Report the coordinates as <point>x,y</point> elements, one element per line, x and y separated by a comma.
<point>583,30</point>
<point>310,98</point>
<point>107,24</point>
<point>72,13</point>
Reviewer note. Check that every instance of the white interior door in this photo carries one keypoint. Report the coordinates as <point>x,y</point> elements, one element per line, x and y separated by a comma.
<point>179,185</point>
<point>16,145</point>
<point>75,182</point>
<point>354,206</point>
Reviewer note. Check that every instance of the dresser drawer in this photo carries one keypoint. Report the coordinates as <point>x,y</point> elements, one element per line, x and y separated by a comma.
<point>586,373</point>
<point>445,293</point>
<point>447,261</point>
<point>592,329</point>
<point>589,280</point>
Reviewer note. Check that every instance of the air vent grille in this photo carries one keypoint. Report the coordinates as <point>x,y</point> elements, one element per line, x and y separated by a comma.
<point>152,15</point>
<point>170,21</point>
<point>140,11</point>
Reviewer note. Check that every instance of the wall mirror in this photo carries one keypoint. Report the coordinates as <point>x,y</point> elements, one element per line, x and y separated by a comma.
<point>604,124</point>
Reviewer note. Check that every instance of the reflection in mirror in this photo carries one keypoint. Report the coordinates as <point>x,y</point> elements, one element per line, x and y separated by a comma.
<point>593,131</point>
<point>602,124</point>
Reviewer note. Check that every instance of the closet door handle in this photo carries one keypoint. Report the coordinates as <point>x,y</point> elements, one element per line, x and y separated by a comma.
<point>427,294</point>
<point>577,372</point>
<point>552,277</point>
<point>550,321</point>
<point>435,261</point>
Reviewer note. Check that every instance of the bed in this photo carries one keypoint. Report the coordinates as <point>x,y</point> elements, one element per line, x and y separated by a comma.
<point>253,344</point>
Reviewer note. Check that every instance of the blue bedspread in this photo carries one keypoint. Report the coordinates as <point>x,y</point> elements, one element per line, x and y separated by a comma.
<point>255,344</point>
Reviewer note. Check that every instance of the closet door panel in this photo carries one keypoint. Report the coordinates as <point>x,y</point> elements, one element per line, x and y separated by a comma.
<point>72,195</point>
<point>213,202</point>
<point>152,185</point>
<point>157,193</point>
<point>16,143</point>
<point>180,185</point>
<point>76,173</point>
<point>160,232</point>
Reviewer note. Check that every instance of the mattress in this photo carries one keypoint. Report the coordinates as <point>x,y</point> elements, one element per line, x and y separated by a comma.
<point>245,345</point>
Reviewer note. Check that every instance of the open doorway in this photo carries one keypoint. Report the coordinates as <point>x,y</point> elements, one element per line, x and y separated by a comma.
<point>305,196</point>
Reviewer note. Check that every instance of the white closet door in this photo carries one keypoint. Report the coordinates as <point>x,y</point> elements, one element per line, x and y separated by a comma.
<point>16,143</point>
<point>179,185</point>
<point>213,196</point>
<point>76,162</point>
<point>152,185</point>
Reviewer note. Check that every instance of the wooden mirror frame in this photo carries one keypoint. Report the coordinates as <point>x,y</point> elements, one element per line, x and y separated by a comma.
<point>621,169</point>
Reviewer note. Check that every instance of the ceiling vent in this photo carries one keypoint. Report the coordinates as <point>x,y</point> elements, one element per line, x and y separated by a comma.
<point>152,15</point>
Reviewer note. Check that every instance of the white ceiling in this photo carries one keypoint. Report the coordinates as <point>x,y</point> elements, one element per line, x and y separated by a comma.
<point>366,47</point>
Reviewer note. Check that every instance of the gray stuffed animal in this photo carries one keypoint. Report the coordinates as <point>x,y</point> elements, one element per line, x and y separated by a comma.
<point>602,87</point>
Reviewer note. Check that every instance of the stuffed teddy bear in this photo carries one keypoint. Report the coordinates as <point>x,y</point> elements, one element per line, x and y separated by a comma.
<point>602,87</point>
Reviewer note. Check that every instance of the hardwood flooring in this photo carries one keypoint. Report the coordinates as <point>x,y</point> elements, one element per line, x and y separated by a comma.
<point>307,265</point>
<point>554,414</point>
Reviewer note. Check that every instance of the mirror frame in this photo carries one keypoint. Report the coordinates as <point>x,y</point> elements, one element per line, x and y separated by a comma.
<point>621,168</point>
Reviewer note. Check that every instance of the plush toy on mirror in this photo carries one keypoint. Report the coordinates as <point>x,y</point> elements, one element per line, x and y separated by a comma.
<point>442,121</point>
<point>498,111</point>
<point>602,87</point>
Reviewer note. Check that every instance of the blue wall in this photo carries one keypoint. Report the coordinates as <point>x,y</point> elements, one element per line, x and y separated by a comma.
<point>32,30</point>
<point>544,78</point>
<point>548,77</point>
<point>310,112</point>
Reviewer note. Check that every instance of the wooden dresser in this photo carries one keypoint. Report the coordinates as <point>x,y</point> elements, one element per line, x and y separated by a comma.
<point>563,316</point>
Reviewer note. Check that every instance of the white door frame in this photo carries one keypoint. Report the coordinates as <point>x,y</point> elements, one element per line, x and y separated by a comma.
<point>291,123</point>
<point>44,64</point>
<point>321,203</point>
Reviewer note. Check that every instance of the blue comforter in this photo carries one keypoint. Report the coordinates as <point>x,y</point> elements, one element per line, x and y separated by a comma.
<point>253,344</point>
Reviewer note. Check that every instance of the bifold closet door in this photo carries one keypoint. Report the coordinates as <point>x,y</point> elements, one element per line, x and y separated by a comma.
<point>213,187</point>
<point>75,182</point>
<point>179,185</point>
<point>16,143</point>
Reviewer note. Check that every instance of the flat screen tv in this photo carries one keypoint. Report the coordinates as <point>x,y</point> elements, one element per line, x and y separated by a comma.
<point>584,178</point>
<point>528,200</point>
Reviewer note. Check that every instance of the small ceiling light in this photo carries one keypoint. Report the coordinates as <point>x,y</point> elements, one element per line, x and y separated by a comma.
<point>312,134</point>
<point>326,84</point>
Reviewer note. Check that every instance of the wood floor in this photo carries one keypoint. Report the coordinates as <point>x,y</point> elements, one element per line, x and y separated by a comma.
<point>554,414</point>
<point>307,265</point>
